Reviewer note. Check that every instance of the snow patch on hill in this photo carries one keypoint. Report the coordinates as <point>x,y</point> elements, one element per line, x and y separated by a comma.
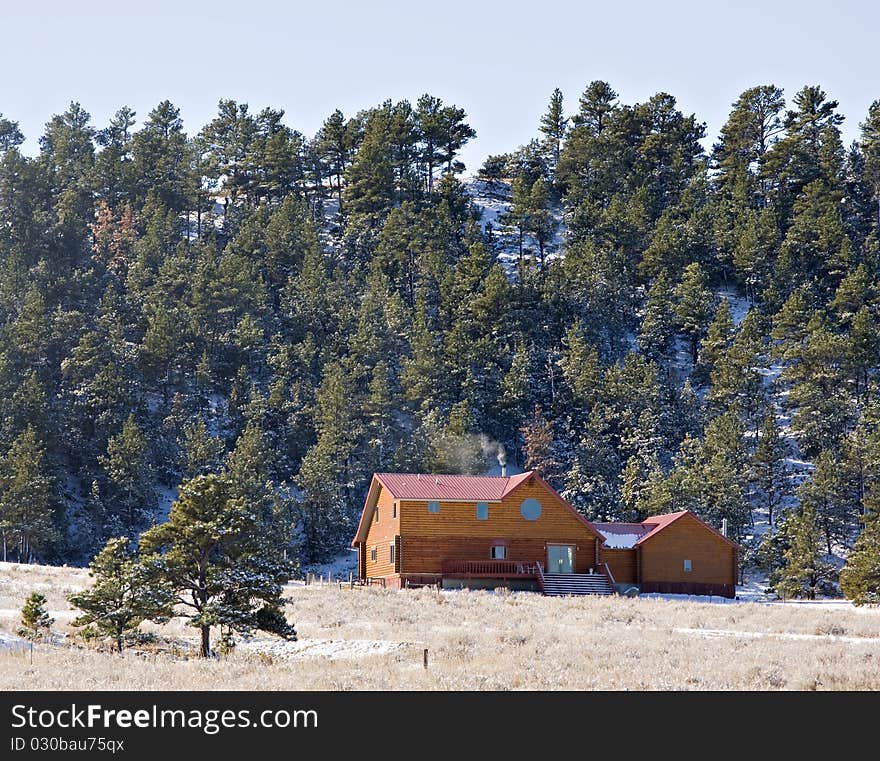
<point>493,201</point>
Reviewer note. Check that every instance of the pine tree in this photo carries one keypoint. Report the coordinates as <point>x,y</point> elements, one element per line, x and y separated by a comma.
<point>202,452</point>
<point>860,577</point>
<point>657,332</point>
<point>803,573</point>
<point>870,134</point>
<point>694,304</point>
<point>554,127</point>
<point>540,219</point>
<point>828,498</point>
<point>35,620</point>
<point>754,126</point>
<point>717,340</point>
<point>128,467</point>
<point>519,216</point>
<point>26,509</point>
<point>213,553</point>
<point>580,368</point>
<point>863,348</point>
<point>335,145</point>
<point>121,597</point>
<point>769,467</point>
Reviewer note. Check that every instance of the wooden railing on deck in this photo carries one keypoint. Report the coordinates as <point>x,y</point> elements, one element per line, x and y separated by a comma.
<point>607,572</point>
<point>539,575</point>
<point>490,568</point>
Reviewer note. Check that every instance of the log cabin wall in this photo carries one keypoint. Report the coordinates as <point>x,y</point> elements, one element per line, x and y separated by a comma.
<point>622,563</point>
<point>455,532</point>
<point>381,536</point>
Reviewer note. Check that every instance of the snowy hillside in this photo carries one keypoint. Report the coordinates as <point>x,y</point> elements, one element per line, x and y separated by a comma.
<point>493,200</point>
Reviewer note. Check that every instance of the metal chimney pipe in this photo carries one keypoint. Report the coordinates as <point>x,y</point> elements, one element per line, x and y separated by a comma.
<point>724,526</point>
<point>504,470</point>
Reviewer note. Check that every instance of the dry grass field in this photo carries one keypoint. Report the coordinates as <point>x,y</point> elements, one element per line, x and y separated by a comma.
<point>374,639</point>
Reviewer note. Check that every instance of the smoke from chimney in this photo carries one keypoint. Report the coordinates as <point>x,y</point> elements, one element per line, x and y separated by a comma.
<point>502,460</point>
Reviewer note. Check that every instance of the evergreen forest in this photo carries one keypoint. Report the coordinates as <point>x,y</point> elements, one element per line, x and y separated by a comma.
<point>656,319</point>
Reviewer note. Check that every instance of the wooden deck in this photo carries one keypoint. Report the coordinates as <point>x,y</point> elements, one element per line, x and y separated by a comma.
<point>489,569</point>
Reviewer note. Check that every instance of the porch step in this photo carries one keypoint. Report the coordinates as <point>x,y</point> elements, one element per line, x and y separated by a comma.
<point>562,584</point>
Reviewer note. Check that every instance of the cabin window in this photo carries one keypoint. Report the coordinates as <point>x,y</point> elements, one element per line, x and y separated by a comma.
<point>687,566</point>
<point>394,510</point>
<point>391,553</point>
<point>373,554</point>
<point>530,509</point>
<point>376,514</point>
<point>482,511</point>
<point>498,552</point>
<point>434,507</point>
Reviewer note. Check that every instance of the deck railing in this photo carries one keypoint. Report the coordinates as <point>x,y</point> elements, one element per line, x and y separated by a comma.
<point>539,575</point>
<point>607,571</point>
<point>490,568</point>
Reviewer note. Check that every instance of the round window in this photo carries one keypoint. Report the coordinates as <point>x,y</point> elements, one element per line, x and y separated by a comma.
<point>530,509</point>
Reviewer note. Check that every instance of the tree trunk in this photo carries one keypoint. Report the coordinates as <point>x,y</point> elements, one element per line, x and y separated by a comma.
<point>205,649</point>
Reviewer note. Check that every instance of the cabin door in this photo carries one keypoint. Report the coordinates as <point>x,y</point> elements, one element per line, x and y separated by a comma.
<point>560,558</point>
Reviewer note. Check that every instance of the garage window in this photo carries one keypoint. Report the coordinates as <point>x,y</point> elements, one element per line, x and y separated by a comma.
<point>687,566</point>
<point>373,554</point>
<point>391,553</point>
<point>482,511</point>
<point>434,507</point>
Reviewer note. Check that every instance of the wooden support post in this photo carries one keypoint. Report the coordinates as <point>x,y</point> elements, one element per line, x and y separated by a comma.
<point>425,655</point>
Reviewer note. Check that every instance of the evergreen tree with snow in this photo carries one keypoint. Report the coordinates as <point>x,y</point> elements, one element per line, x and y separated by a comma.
<point>121,596</point>
<point>128,468</point>
<point>215,552</point>
<point>804,572</point>
<point>693,308</point>
<point>769,469</point>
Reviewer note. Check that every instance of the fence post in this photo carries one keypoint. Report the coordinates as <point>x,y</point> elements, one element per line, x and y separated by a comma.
<point>425,656</point>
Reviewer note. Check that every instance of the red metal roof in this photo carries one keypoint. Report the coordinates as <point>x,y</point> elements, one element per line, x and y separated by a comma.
<point>659,522</point>
<point>421,486</point>
<point>650,527</point>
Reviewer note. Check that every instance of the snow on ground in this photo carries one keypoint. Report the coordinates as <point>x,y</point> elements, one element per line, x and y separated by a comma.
<point>167,495</point>
<point>739,305</point>
<point>11,642</point>
<point>493,201</point>
<point>330,649</point>
<point>339,568</point>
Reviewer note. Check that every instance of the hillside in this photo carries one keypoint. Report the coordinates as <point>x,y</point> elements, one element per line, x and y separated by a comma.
<point>367,638</point>
<point>653,324</point>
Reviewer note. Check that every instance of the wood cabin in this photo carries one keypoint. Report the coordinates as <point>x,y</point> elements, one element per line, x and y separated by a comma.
<point>517,531</point>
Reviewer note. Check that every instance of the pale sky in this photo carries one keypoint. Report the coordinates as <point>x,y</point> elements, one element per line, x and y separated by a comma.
<point>498,60</point>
